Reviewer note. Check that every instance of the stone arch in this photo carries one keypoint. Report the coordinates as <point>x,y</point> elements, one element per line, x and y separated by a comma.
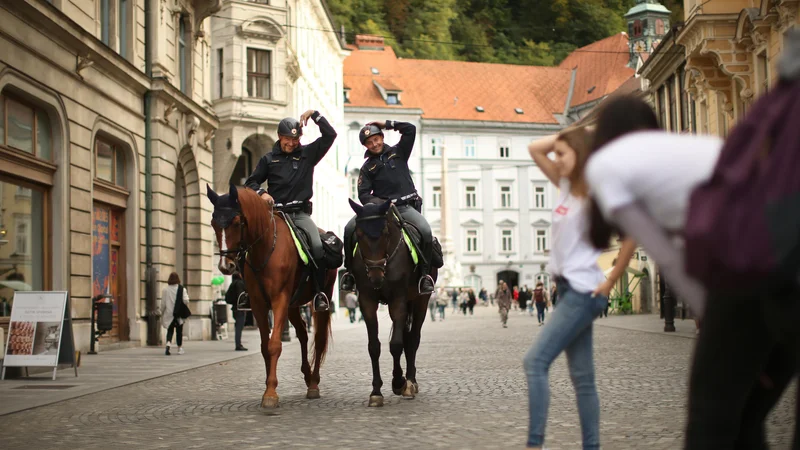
<point>262,27</point>
<point>106,128</point>
<point>51,102</point>
<point>188,218</point>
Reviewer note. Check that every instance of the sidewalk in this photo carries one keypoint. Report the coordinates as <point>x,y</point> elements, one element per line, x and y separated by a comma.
<point>114,368</point>
<point>648,323</point>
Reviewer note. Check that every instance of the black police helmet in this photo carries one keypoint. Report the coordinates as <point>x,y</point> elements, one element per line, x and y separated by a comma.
<point>290,127</point>
<point>367,131</point>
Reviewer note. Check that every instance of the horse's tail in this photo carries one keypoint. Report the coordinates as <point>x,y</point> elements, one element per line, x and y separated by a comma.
<point>323,334</point>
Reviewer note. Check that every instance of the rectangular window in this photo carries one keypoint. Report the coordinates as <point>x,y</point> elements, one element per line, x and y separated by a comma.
<point>25,128</point>
<point>109,163</point>
<point>105,22</point>
<point>469,147</point>
<point>541,241</point>
<point>539,197</point>
<point>347,95</point>
<point>436,146</point>
<point>506,240</point>
<point>182,56</point>
<point>437,197</point>
<point>22,235</point>
<point>471,197</point>
<point>123,28</point>
<point>354,187</point>
<point>392,99</point>
<point>220,72</point>
<point>258,73</point>
<point>505,196</point>
<point>505,148</point>
<point>472,241</point>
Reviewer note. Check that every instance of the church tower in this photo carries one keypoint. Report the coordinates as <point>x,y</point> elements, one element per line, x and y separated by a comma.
<point>648,22</point>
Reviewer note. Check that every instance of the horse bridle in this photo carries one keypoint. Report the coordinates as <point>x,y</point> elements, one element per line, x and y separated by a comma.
<point>241,252</point>
<point>381,263</point>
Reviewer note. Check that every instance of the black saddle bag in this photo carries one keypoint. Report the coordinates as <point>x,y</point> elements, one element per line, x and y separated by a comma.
<point>333,247</point>
<point>437,261</point>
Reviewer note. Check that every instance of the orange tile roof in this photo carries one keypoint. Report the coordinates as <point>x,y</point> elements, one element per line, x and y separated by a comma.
<point>453,89</point>
<point>602,65</point>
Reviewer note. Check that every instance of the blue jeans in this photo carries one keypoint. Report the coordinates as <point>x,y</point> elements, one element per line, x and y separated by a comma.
<point>569,329</point>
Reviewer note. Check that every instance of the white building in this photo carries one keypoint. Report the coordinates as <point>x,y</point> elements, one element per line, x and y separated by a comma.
<point>271,61</point>
<point>483,116</point>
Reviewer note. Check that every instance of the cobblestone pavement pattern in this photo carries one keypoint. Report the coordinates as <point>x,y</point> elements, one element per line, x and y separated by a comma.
<point>473,394</point>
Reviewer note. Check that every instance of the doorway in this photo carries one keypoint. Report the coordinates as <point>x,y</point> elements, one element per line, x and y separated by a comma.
<point>511,277</point>
<point>108,265</point>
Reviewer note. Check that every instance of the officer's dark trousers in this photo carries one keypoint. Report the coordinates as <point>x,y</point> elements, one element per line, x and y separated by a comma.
<point>409,215</point>
<point>304,222</point>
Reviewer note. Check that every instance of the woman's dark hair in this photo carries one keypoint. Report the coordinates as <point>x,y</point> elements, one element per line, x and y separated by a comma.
<point>617,117</point>
<point>174,279</point>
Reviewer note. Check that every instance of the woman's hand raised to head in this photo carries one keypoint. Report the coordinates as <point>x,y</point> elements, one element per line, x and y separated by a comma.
<point>539,149</point>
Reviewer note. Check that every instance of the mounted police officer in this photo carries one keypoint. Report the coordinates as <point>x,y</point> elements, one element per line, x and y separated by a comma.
<point>385,176</point>
<point>289,172</point>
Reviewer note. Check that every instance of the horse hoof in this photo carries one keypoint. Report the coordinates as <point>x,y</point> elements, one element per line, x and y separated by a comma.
<point>312,394</point>
<point>269,402</point>
<point>416,388</point>
<point>397,391</point>
<point>408,390</point>
<point>375,401</point>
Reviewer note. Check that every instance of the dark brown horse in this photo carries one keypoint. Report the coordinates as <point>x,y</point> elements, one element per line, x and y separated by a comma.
<point>260,247</point>
<point>384,272</point>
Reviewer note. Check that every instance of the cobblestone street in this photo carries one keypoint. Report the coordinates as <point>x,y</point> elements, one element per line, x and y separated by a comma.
<point>473,394</point>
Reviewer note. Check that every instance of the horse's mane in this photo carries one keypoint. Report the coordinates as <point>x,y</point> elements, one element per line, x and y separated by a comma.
<point>255,210</point>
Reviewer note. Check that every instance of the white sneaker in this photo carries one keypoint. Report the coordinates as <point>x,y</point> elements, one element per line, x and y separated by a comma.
<point>180,351</point>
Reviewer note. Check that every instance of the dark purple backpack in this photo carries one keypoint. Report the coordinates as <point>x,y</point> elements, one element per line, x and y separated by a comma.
<point>743,225</point>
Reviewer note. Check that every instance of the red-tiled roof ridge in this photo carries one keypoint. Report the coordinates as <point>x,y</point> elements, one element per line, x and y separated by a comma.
<point>601,65</point>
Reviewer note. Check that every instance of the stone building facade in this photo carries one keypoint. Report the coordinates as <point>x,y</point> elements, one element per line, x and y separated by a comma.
<point>79,80</point>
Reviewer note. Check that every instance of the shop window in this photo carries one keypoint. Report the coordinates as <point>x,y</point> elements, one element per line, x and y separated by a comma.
<point>25,127</point>
<point>109,162</point>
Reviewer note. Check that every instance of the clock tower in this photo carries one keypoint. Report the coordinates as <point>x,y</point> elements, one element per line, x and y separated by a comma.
<point>648,22</point>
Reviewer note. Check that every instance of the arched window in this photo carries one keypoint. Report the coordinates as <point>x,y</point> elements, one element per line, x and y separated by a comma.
<point>25,127</point>
<point>243,169</point>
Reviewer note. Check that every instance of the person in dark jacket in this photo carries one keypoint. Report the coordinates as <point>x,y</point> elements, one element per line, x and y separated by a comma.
<point>289,172</point>
<point>232,297</point>
<point>385,176</point>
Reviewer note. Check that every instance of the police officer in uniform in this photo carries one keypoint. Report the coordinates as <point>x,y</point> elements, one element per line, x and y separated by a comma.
<point>289,172</point>
<point>385,176</point>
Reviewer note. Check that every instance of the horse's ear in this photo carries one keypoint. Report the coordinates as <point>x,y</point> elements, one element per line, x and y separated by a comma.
<point>234,194</point>
<point>358,209</point>
<point>212,196</point>
<point>384,207</point>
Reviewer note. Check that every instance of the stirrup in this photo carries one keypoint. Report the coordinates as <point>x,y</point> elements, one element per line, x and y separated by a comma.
<point>419,284</point>
<point>243,306</point>
<point>350,284</point>
<point>321,302</point>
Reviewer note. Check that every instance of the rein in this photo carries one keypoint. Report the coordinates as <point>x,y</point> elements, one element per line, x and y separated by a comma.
<point>381,263</point>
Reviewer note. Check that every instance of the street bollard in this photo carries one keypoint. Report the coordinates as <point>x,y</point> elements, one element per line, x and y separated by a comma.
<point>669,308</point>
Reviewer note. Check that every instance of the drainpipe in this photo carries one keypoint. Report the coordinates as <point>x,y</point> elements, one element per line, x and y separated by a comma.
<point>153,330</point>
<point>569,94</point>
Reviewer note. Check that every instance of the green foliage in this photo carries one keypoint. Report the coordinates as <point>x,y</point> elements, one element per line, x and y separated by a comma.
<point>534,32</point>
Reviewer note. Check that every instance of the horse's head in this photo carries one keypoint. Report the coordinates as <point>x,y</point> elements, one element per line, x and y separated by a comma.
<point>373,236</point>
<point>228,223</point>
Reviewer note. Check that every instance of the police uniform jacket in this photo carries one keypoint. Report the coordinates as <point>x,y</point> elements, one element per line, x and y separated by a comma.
<point>386,176</point>
<point>290,176</point>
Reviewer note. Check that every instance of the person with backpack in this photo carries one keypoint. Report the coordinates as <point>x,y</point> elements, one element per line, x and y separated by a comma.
<point>540,300</point>
<point>746,352</point>
<point>174,312</point>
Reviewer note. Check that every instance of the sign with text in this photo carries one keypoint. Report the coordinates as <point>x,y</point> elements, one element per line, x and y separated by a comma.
<point>40,331</point>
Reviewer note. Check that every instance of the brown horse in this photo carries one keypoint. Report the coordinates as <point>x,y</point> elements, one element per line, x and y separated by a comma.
<point>384,272</point>
<point>260,247</point>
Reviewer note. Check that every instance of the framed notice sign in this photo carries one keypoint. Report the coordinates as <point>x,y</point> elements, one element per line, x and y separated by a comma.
<point>40,331</point>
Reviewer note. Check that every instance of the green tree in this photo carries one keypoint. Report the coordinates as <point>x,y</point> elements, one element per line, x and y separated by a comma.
<point>533,54</point>
<point>426,34</point>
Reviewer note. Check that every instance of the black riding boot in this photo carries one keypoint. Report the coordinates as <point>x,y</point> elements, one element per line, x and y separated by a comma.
<point>425,285</point>
<point>320,300</point>
<point>348,282</point>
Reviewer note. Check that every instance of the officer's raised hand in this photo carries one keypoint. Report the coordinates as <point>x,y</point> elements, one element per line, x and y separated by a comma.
<point>381,125</point>
<point>306,115</point>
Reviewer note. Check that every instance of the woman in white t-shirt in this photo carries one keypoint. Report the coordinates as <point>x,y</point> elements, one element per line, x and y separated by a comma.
<point>582,289</point>
<point>641,181</point>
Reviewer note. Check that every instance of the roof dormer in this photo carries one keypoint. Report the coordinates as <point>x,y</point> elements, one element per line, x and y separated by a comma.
<point>388,90</point>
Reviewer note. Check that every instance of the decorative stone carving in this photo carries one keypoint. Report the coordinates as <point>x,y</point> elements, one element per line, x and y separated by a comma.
<point>204,9</point>
<point>81,63</point>
<point>787,14</point>
<point>746,94</point>
<point>169,110</point>
<point>262,28</point>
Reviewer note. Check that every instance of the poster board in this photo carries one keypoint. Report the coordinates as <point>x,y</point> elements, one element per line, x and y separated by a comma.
<point>40,331</point>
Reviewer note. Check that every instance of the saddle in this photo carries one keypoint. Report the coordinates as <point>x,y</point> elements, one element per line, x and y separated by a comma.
<point>331,245</point>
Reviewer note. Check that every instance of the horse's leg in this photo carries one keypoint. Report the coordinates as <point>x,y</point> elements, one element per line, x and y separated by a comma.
<point>397,311</point>
<point>280,305</point>
<point>261,317</point>
<point>412,337</point>
<point>369,312</point>
<point>322,334</point>
<point>296,319</point>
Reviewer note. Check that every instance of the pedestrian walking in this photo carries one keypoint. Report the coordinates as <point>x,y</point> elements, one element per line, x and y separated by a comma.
<point>351,303</point>
<point>554,294</point>
<point>441,303</point>
<point>463,300</point>
<point>515,297</point>
<point>523,299</point>
<point>174,312</point>
<point>746,353</point>
<point>454,298</point>
<point>233,297</point>
<point>540,300</point>
<point>503,296</point>
<point>483,296</point>
<point>471,301</point>
<point>432,305</point>
<point>583,289</point>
